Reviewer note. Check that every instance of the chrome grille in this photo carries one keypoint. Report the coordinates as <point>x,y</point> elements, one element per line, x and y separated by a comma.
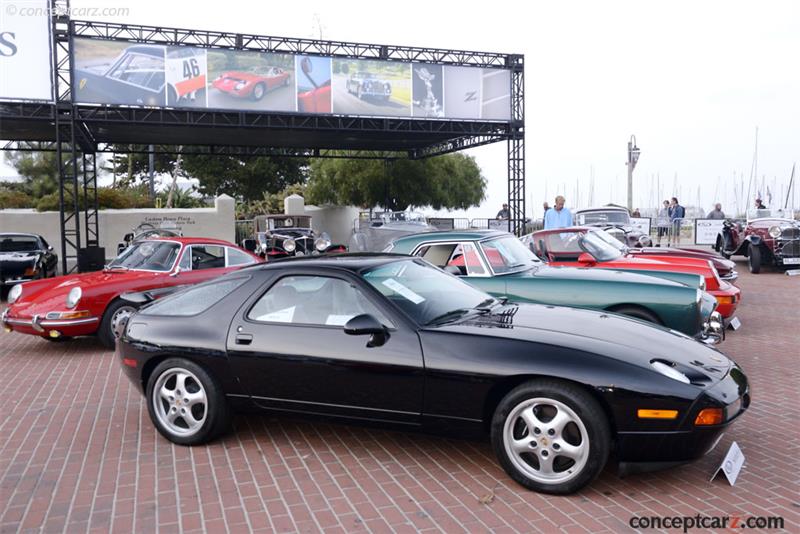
<point>791,232</point>
<point>791,250</point>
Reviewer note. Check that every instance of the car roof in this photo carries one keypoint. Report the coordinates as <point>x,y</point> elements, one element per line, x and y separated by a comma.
<point>602,208</point>
<point>24,234</point>
<point>193,240</point>
<point>150,50</point>
<point>452,235</point>
<point>353,261</point>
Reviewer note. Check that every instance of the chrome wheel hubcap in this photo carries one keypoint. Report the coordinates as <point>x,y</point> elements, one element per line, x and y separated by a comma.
<point>546,440</point>
<point>180,402</point>
<point>119,319</point>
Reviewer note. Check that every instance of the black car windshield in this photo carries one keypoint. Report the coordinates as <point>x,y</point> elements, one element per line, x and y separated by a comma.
<point>424,292</point>
<point>147,256</point>
<point>602,217</point>
<point>597,246</point>
<point>18,243</point>
<point>507,254</point>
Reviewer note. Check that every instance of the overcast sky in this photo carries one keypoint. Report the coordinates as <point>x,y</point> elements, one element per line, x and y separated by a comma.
<point>692,80</point>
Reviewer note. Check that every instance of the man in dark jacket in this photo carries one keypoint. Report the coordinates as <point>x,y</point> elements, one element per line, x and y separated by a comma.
<point>716,213</point>
<point>676,215</point>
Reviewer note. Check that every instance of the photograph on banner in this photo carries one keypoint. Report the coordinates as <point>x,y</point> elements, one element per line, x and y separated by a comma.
<point>186,76</point>
<point>244,80</point>
<point>496,94</point>
<point>112,72</point>
<point>313,84</point>
<point>462,95</point>
<point>369,87</point>
<point>25,51</point>
<point>428,90</point>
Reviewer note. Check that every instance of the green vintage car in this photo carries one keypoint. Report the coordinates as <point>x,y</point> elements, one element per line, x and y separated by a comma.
<point>501,265</point>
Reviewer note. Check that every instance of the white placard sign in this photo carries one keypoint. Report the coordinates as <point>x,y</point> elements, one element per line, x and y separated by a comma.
<point>25,50</point>
<point>641,224</point>
<point>731,464</point>
<point>706,231</point>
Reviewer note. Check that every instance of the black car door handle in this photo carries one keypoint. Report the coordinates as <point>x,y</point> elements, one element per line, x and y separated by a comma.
<point>244,339</point>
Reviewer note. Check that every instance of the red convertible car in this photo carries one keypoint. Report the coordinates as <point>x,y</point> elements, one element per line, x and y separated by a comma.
<point>254,83</point>
<point>90,304</point>
<point>588,247</point>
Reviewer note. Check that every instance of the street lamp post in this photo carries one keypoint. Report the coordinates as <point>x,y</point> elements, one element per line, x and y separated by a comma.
<point>633,157</point>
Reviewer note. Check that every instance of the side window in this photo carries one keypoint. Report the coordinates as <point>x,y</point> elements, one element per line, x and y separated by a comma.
<point>237,257</point>
<point>439,255</point>
<point>194,300</point>
<point>471,260</point>
<point>314,300</point>
<point>207,257</point>
<point>186,259</point>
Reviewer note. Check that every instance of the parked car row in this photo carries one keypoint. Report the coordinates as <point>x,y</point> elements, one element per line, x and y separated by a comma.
<point>535,342</point>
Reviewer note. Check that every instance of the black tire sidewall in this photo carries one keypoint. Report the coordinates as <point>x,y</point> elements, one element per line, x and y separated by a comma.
<point>216,407</point>
<point>754,259</point>
<point>586,407</point>
<point>104,333</point>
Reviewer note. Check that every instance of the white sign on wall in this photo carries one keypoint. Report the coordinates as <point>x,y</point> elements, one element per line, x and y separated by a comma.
<point>706,231</point>
<point>641,224</point>
<point>25,50</point>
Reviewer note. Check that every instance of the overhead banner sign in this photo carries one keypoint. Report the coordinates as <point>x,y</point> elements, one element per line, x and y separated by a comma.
<point>25,71</point>
<point>120,73</point>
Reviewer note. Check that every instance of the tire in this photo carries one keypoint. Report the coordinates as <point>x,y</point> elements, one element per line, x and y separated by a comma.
<point>754,259</point>
<point>172,96</point>
<point>638,313</point>
<point>206,414</point>
<point>258,92</point>
<point>576,450</point>
<point>115,311</point>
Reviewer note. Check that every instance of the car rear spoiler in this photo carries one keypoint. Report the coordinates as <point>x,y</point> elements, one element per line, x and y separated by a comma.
<point>145,297</point>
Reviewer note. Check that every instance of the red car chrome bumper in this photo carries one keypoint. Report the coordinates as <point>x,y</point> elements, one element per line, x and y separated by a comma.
<point>46,325</point>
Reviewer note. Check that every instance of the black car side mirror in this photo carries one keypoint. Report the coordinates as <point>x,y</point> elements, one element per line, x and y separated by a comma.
<point>366,324</point>
<point>128,237</point>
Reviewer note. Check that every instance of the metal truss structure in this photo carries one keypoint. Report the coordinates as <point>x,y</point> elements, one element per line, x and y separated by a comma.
<point>78,132</point>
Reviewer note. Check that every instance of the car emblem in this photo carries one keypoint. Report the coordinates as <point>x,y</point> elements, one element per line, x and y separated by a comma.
<point>544,442</point>
<point>715,358</point>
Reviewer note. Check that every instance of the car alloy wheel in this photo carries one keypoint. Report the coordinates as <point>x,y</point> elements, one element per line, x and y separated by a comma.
<point>119,319</point>
<point>551,436</point>
<point>258,91</point>
<point>180,402</point>
<point>546,440</point>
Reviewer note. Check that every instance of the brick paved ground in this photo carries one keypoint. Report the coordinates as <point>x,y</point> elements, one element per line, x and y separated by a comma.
<point>78,453</point>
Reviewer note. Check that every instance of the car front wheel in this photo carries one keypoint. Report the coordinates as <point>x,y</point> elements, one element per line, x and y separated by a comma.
<point>551,436</point>
<point>185,403</point>
<point>116,314</point>
<point>754,259</point>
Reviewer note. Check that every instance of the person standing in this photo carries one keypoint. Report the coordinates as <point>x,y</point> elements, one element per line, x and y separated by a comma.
<point>716,213</point>
<point>662,222</point>
<point>503,214</point>
<point>760,205</point>
<point>545,207</point>
<point>636,214</point>
<point>676,215</point>
<point>558,216</point>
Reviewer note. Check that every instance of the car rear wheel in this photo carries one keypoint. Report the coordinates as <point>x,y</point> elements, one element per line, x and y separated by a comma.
<point>551,436</point>
<point>115,315</point>
<point>185,403</point>
<point>258,91</point>
<point>754,259</point>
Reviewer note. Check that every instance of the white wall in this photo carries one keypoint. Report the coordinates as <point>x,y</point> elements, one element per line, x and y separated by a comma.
<point>216,222</point>
<point>336,220</point>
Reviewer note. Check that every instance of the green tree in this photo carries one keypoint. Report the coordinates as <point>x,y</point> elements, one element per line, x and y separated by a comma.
<point>39,171</point>
<point>452,181</point>
<point>244,178</point>
<point>129,168</point>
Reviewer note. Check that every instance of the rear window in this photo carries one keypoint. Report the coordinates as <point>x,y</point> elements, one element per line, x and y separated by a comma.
<point>195,300</point>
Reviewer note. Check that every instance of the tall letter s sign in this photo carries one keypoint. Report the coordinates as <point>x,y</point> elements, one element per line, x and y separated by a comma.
<point>7,45</point>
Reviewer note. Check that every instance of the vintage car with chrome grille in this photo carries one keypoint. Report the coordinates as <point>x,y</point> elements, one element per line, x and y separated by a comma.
<point>89,303</point>
<point>498,263</point>
<point>769,237</point>
<point>282,236</point>
<point>614,220</point>
<point>395,341</point>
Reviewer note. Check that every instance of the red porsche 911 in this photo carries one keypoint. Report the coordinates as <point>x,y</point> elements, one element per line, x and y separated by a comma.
<point>89,303</point>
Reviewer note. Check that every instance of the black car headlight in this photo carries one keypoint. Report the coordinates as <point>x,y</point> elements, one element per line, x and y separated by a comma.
<point>669,371</point>
<point>774,232</point>
<point>289,245</point>
<point>14,293</point>
<point>73,297</point>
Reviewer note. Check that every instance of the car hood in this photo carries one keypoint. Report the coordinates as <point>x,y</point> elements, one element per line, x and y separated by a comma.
<point>606,334</point>
<point>41,296</point>
<point>721,264</point>
<point>593,275</point>
<point>242,76</point>
<point>14,258</point>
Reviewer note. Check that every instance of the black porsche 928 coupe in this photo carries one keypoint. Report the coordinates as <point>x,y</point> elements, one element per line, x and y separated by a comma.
<point>394,339</point>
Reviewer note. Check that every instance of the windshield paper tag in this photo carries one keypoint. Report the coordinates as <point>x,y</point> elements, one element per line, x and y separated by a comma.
<point>402,290</point>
